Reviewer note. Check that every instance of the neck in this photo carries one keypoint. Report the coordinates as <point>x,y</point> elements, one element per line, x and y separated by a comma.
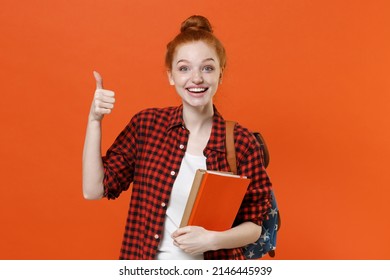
<point>196,118</point>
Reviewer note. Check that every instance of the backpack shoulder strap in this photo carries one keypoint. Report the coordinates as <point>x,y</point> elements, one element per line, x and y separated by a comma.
<point>230,148</point>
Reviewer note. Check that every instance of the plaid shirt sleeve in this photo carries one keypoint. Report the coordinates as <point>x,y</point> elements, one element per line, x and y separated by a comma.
<point>257,200</point>
<point>119,161</point>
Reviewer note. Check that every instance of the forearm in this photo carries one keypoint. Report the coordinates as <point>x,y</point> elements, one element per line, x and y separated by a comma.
<point>93,171</point>
<point>238,236</point>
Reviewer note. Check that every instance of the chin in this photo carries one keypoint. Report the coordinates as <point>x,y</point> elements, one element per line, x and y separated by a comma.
<point>198,104</point>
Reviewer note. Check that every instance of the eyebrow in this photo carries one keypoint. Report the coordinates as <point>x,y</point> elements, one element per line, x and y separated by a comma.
<point>205,60</point>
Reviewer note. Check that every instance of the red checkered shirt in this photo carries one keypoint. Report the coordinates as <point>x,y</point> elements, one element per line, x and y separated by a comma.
<point>148,153</point>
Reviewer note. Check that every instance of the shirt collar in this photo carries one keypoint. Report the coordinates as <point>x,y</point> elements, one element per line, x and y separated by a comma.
<point>176,118</point>
<point>218,131</point>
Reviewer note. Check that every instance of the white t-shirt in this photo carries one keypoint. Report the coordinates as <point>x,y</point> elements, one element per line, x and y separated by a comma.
<point>179,196</point>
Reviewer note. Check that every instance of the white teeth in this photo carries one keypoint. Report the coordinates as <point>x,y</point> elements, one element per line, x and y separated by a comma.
<point>197,89</point>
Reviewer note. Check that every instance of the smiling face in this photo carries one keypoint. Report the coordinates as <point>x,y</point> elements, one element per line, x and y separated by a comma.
<point>195,73</point>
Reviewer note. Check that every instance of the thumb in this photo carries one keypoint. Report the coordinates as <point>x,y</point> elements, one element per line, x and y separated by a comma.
<point>99,80</point>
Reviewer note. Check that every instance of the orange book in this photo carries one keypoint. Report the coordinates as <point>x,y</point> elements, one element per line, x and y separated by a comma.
<point>214,200</point>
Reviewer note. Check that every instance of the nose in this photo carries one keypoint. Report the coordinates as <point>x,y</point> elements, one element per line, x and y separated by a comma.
<point>197,77</point>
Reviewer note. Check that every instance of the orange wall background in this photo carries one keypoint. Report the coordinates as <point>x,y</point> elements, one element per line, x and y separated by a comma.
<point>312,76</point>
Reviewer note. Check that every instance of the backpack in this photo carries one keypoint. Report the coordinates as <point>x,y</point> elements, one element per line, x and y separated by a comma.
<point>267,241</point>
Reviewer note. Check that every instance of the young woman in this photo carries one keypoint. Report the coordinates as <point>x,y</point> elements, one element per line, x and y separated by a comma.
<point>160,150</point>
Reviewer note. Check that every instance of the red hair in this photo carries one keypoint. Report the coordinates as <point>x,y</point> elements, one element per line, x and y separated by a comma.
<point>193,29</point>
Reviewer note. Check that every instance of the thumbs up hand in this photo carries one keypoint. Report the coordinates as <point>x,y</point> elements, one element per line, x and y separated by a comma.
<point>103,101</point>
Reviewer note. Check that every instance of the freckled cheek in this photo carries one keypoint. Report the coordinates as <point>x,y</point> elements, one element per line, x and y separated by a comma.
<point>212,78</point>
<point>183,80</point>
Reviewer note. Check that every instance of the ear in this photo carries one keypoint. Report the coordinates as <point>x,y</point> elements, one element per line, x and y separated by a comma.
<point>170,78</point>
<point>220,76</point>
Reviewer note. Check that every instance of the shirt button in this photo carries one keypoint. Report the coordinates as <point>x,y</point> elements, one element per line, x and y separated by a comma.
<point>173,173</point>
<point>181,147</point>
<point>156,236</point>
<point>163,204</point>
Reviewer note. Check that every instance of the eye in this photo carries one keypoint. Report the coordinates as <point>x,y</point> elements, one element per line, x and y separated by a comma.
<point>184,68</point>
<point>208,68</point>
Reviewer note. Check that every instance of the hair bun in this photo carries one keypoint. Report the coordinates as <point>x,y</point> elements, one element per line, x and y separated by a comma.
<point>196,23</point>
